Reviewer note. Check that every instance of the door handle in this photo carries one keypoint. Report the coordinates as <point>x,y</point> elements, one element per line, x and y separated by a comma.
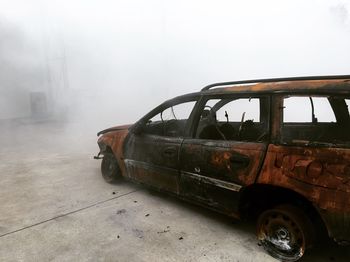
<point>169,151</point>
<point>240,160</point>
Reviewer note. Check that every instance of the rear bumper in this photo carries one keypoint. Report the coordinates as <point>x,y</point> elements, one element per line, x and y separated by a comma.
<point>338,226</point>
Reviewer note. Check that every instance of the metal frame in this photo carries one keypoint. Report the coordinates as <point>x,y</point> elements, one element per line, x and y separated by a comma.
<point>331,77</point>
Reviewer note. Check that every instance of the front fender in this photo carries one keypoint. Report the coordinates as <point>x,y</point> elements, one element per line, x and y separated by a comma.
<point>105,143</point>
<point>112,143</point>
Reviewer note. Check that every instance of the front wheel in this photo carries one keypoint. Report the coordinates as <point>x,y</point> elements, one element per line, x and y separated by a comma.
<point>285,232</point>
<point>110,169</point>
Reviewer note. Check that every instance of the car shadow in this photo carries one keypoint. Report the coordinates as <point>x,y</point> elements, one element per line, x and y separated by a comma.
<point>325,251</point>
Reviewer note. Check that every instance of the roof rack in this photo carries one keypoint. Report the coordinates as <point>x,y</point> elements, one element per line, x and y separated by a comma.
<point>277,80</point>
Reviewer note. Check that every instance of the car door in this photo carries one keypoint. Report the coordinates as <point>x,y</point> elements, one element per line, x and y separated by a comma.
<point>226,151</point>
<point>152,150</point>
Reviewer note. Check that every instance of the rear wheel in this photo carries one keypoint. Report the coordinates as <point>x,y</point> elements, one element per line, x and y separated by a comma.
<point>285,232</point>
<point>110,169</point>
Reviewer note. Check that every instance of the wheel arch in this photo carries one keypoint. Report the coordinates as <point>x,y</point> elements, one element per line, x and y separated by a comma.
<point>106,149</point>
<point>112,143</point>
<point>257,198</point>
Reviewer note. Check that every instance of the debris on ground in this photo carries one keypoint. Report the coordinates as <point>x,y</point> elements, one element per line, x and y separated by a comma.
<point>164,231</point>
<point>121,211</point>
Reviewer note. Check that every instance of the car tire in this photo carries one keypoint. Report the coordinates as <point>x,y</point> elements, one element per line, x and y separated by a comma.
<point>285,232</point>
<point>110,169</point>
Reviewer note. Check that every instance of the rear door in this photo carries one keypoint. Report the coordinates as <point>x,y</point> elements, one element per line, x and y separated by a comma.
<point>226,151</point>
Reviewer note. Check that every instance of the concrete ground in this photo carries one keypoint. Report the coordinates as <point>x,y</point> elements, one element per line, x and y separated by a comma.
<point>55,206</point>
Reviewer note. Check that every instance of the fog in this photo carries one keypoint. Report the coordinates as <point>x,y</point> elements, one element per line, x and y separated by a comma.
<point>109,62</point>
<point>70,68</point>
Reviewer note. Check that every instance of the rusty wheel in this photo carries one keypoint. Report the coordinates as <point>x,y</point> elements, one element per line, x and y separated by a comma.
<point>110,169</point>
<point>285,232</point>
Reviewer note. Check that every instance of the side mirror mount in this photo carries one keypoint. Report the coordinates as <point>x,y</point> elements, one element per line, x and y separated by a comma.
<point>137,128</point>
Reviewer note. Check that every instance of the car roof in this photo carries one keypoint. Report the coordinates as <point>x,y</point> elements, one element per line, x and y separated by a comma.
<point>338,85</point>
<point>322,84</point>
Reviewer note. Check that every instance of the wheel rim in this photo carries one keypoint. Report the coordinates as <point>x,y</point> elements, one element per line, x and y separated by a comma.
<point>282,235</point>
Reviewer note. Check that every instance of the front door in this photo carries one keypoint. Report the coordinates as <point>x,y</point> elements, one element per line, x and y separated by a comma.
<point>152,151</point>
<point>226,152</point>
<point>153,160</point>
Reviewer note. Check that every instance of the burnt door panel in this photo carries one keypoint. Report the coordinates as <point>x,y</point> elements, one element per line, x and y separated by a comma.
<point>213,172</point>
<point>153,160</point>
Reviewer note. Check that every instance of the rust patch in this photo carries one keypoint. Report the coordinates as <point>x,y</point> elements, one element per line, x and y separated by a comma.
<point>289,86</point>
<point>320,175</point>
<point>115,140</point>
<point>117,148</point>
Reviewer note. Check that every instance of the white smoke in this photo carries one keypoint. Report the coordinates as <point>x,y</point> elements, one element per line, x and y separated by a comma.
<point>108,62</point>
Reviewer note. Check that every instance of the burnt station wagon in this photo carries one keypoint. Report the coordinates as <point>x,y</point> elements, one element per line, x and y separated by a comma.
<point>273,149</point>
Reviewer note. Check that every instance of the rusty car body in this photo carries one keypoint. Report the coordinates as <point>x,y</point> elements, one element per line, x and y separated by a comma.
<point>274,149</point>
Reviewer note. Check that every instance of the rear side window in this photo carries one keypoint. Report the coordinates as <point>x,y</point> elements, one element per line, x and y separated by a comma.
<point>313,119</point>
<point>307,110</point>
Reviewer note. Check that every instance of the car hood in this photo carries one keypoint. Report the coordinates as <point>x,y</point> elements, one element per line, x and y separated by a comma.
<point>111,129</point>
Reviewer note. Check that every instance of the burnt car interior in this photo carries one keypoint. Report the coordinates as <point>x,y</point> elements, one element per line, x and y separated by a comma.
<point>233,118</point>
<point>325,120</point>
<point>237,118</point>
<point>169,120</point>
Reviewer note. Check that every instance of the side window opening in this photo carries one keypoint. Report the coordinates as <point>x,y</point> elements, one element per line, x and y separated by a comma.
<point>313,119</point>
<point>171,121</point>
<point>307,110</point>
<point>236,108</point>
<point>232,119</point>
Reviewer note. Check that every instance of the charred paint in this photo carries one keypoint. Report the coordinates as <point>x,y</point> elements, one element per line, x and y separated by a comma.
<point>230,161</point>
<point>319,174</point>
<point>214,173</point>
<point>114,140</point>
<point>341,86</point>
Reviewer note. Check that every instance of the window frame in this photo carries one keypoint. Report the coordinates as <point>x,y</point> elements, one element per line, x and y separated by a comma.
<point>313,110</point>
<point>264,111</point>
<point>342,118</point>
<point>140,125</point>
